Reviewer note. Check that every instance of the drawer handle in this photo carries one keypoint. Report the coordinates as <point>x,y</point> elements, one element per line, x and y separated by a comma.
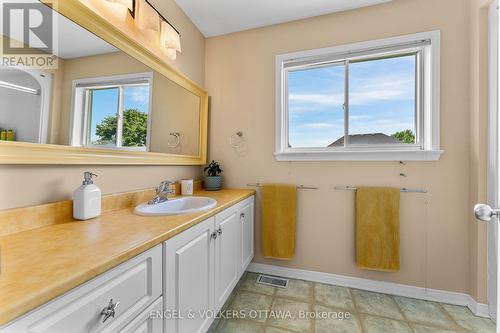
<point>109,311</point>
<point>242,215</point>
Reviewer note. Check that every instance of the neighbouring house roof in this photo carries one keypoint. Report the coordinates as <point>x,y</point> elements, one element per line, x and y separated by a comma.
<point>363,139</point>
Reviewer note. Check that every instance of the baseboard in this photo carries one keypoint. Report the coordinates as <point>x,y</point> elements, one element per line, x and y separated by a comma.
<point>479,309</point>
<point>378,286</point>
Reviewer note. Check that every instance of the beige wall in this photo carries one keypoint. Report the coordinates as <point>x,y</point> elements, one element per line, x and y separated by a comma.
<point>29,185</point>
<point>176,110</point>
<point>435,228</point>
<point>56,109</point>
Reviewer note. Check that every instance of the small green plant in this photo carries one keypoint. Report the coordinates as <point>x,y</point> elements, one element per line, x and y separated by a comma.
<point>405,136</point>
<point>213,169</point>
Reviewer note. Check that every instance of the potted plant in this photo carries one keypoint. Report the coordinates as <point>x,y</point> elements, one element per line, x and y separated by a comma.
<point>213,180</point>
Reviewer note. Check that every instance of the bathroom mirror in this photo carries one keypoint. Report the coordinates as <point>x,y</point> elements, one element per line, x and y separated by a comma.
<point>99,104</point>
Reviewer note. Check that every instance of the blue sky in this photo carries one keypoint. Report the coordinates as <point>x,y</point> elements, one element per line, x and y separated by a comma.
<point>382,99</point>
<point>105,103</point>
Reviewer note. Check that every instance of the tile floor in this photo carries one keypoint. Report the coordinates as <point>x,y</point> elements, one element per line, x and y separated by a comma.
<point>369,312</point>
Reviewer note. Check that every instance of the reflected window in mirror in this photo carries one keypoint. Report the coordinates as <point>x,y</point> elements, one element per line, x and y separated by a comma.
<point>112,112</point>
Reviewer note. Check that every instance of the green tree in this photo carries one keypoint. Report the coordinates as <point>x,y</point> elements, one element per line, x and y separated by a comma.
<point>135,128</point>
<point>106,130</point>
<point>405,136</point>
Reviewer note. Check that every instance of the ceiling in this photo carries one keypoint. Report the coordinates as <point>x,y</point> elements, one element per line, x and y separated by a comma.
<point>75,41</point>
<point>218,17</point>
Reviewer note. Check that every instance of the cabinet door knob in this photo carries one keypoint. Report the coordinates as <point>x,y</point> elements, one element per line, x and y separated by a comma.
<point>109,311</point>
<point>242,215</point>
<point>219,231</point>
<point>214,235</point>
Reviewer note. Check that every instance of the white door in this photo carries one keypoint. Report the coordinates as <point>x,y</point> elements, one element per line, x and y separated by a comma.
<point>246,251</point>
<point>493,165</point>
<point>485,212</point>
<point>226,255</point>
<point>189,279</point>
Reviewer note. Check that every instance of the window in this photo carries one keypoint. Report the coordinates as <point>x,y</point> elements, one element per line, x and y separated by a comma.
<point>376,100</point>
<point>112,112</point>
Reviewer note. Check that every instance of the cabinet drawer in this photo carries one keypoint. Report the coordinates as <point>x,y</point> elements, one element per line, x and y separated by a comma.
<point>150,321</point>
<point>135,284</point>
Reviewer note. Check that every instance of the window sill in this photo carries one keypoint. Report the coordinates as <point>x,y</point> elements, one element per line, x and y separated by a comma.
<point>361,155</point>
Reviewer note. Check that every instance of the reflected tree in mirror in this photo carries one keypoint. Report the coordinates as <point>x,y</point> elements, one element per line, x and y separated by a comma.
<point>135,127</point>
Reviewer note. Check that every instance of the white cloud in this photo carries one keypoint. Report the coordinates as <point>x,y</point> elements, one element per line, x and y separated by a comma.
<point>305,108</point>
<point>360,117</point>
<point>320,125</point>
<point>140,95</point>
<point>383,88</point>
<point>315,143</point>
<point>321,99</point>
<point>363,92</point>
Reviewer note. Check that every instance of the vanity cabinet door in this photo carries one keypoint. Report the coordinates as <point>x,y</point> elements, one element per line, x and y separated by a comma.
<point>189,279</point>
<point>246,234</point>
<point>226,255</point>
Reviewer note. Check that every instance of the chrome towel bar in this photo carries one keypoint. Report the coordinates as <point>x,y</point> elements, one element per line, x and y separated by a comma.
<point>300,187</point>
<point>404,189</point>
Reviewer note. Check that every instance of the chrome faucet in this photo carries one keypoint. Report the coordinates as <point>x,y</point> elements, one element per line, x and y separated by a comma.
<point>162,192</point>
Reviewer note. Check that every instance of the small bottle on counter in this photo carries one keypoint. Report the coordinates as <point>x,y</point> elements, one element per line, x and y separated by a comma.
<point>7,135</point>
<point>11,135</point>
<point>87,199</point>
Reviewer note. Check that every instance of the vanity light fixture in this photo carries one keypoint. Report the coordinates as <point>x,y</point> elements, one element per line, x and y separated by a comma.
<point>148,17</point>
<point>8,85</point>
<point>170,38</point>
<point>130,4</point>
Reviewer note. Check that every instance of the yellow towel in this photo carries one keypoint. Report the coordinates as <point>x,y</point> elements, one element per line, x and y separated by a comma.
<point>377,228</point>
<point>279,206</point>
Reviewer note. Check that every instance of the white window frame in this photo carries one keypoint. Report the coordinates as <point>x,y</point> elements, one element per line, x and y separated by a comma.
<point>80,118</point>
<point>427,44</point>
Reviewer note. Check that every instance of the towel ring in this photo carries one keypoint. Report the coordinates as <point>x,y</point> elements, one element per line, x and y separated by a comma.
<point>236,135</point>
<point>177,139</point>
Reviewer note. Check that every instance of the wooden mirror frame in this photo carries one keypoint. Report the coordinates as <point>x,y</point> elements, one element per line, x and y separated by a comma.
<point>34,153</point>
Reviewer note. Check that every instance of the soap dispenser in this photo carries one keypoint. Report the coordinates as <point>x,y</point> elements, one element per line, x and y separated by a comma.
<point>87,199</point>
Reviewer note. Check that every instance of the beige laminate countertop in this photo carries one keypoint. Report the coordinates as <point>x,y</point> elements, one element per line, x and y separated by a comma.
<point>40,264</point>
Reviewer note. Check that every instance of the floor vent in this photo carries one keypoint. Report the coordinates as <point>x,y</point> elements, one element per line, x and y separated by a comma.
<point>273,281</point>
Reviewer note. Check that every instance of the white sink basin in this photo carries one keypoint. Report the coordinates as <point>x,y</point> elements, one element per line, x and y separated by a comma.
<point>183,205</point>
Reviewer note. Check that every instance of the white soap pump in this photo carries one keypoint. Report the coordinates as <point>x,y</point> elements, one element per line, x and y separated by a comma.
<point>87,199</point>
